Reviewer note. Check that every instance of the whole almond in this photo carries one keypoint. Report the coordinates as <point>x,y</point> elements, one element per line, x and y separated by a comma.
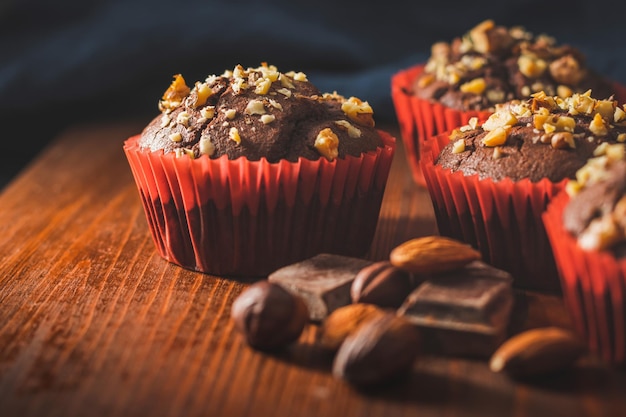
<point>432,254</point>
<point>381,284</point>
<point>345,321</point>
<point>537,351</point>
<point>381,349</point>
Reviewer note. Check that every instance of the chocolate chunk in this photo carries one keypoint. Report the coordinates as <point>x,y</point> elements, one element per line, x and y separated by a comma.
<point>462,313</point>
<point>323,281</point>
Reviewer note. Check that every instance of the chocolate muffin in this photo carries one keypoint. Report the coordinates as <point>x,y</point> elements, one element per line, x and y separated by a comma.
<point>490,182</point>
<point>586,225</point>
<point>493,64</point>
<point>596,212</point>
<point>260,113</point>
<point>543,137</point>
<point>255,169</point>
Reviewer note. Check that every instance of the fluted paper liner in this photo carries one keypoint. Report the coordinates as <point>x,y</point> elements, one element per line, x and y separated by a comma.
<point>594,285</point>
<point>422,119</point>
<point>248,218</point>
<point>502,219</point>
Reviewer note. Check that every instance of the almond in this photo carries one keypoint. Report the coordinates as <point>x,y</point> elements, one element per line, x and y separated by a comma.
<point>432,254</point>
<point>537,351</point>
<point>345,321</point>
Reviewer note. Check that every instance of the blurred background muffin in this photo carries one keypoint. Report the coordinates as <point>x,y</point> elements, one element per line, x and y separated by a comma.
<point>491,181</point>
<point>488,65</point>
<point>586,225</point>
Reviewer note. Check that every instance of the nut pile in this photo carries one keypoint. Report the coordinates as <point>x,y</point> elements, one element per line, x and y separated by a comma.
<point>433,295</point>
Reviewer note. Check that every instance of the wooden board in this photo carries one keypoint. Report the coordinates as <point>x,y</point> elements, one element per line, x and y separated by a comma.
<point>93,322</point>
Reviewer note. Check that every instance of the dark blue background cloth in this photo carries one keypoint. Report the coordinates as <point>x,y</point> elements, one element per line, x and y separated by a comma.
<point>70,61</point>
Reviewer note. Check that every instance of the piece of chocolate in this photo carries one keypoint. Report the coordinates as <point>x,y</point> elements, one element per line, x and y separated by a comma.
<point>322,281</point>
<point>462,313</point>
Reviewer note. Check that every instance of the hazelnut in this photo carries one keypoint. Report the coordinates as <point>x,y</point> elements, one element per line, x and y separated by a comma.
<point>563,140</point>
<point>382,349</point>
<point>566,70</point>
<point>269,316</point>
<point>381,284</point>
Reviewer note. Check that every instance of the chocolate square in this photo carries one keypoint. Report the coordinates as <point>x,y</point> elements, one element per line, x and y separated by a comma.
<point>322,281</point>
<point>464,312</point>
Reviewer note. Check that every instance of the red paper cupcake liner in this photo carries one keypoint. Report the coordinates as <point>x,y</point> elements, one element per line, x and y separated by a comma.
<point>594,285</point>
<point>421,119</point>
<point>248,218</point>
<point>502,219</point>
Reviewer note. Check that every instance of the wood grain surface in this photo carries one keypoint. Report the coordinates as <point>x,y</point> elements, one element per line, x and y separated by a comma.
<point>94,323</point>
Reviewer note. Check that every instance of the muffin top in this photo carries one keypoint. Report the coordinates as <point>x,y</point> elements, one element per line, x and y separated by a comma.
<point>259,113</point>
<point>542,137</point>
<point>493,64</point>
<point>596,212</point>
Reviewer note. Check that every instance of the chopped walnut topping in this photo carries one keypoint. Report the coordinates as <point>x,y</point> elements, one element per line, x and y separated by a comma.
<point>531,66</point>
<point>327,144</point>
<point>500,118</point>
<point>596,168</point>
<point>176,137</point>
<point>230,113</point>
<point>175,94</point>
<point>606,108</point>
<point>239,84</point>
<point>456,133</point>
<point>581,103</point>
<point>458,146</point>
<point>495,96</point>
<point>285,81</point>
<point>597,126</point>
<point>284,91</point>
<point>298,76</point>
<point>495,137</point>
<point>203,92</point>
<point>262,86</point>
<point>183,118</point>
<point>479,38</point>
<point>207,112</point>
<point>238,72</point>
<point>205,146</point>
<point>425,80</point>
<point>233,134</point>
<point>255,107</point>
<point>358,111</point>
<point>180,152</point>
<point>619,115</point>
<point>267,118</point>
<point>564,91</point>
<point>165,120</point>
<point>563,140</point>
<point>353,132</point>
<point>476,86</point>
<point>497,153</point>
<point>600,234</point>
<point>276,105</point>
<point>269,71</point>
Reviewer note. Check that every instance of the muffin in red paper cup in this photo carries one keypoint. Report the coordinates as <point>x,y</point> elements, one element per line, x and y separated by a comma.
<point>486,66</point>
<point>254,169</point>
<point>586,226</point>
<point>491,182</point>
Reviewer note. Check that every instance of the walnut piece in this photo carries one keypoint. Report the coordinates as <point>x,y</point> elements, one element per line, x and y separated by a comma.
<point>327,144</point>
